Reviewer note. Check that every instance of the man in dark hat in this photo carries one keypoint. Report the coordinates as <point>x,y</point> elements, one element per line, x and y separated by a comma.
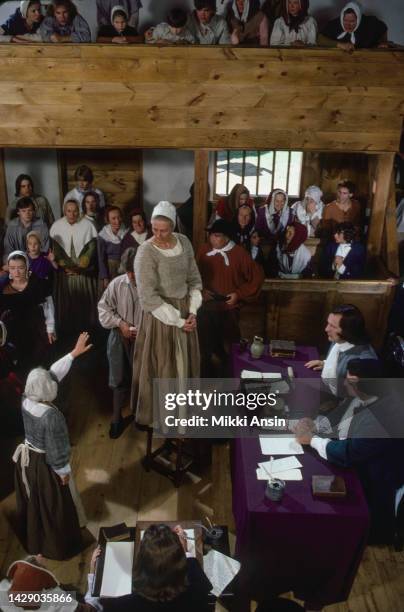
<point>230,278</point>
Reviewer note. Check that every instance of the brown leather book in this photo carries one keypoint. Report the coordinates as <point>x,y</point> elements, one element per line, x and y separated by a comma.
<point>328,486</point>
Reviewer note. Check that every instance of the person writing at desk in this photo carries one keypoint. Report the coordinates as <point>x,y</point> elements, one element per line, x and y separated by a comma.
<point>370,438</point>
<point>165,578</point>
<point>347,332</point>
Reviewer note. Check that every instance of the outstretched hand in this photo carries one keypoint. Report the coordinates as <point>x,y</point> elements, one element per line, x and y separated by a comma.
<point>81,345</point>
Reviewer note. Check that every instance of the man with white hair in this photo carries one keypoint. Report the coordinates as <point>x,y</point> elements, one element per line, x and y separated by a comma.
<point>49,510</point>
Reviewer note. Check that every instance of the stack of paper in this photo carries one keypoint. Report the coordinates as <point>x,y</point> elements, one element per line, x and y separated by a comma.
<point>117,575</point>
<point>254,375</point>
<point>285,469</point>
<point>280,445</point>
<point>220,570</point>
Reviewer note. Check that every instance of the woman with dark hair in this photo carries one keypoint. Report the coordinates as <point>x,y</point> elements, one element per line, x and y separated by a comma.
<point>164,579</point>
<point>26,306</point>
<point>49,510</point>
<point>64,24</point>
<point>344,258</point>
<point>24,188</point>
<point>293,257</point>
<point>295,27</point>
<point>84,178</point>
<point>140,231</point>
<point>228,206</point>
<point>247,23</point>
<point>353,30</point>
<point>110,245</point>
<point>75,252</point>
<point>23,24</point>
<point>91,209</point>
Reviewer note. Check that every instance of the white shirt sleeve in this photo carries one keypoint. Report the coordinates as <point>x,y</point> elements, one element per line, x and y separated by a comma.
<point>341,269</point>
<point>312,32</point>
<point>66,469</point>
<point>195,301</point>
<point>88,597</point>
<point>49,313</point>
<point>167,314</point>
<point>320,445</point>
<point>61,367</point>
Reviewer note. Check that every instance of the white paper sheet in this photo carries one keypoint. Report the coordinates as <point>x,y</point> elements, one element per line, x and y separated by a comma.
<point>190,542</point>
<point>278,445</point>
<point>117,575</point>
<point>288,475</point>
<point>281,465</point>
<point>220,570</point>
<point>253,374</point>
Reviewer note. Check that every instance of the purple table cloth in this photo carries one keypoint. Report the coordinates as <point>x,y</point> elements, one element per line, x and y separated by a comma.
<point>302,544</point>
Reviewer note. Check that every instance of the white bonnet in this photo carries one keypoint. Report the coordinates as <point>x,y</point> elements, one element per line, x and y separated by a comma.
<point>40,386</point>
<point>314,193</point>
<point>165,209</point>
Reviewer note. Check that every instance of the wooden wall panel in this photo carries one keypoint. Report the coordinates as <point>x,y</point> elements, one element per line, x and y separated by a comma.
<point>200,97</point>
<point>117,173</point>
<point>298,310</point>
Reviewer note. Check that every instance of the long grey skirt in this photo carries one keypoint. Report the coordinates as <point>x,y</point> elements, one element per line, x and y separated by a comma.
<point>161,351</point>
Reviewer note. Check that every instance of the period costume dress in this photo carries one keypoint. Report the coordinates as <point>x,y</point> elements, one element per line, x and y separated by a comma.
<point>251,24</point>
<point>310,219</point>
<point>216,32</point>
<point>75,249</point>
<point>169,288</point>
<point>369,32</point>
<point>294,259</point>
<point>110,251</point>
<point>49,513</point>
<point>42,207</point>
<point>78,29</point>
<point>288,30</point>
<point>29,316</point>
<point>270,222</point>
<point>16,25</point>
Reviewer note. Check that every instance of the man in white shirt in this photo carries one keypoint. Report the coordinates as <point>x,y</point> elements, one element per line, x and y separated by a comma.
<point>347,332</point>
<point>206,26</point>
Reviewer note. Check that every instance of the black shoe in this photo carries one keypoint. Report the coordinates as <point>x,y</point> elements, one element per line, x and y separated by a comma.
<point>116,430</point>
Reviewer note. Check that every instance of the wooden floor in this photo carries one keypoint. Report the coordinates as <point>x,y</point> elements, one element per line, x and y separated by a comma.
<point>115,488</point>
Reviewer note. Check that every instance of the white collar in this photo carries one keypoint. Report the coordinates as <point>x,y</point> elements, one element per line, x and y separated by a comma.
<point>223,252</point>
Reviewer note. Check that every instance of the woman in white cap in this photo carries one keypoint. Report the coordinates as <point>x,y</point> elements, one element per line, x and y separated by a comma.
<point>354,30</point>
<point>118,31</point>
<point>49,511</point>
<point>26,306</point>
<point>23,24</point>
<point>169,288</point>
<point>310,210</point>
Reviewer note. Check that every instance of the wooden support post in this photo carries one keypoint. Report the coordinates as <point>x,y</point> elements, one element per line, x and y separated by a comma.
<point>390,238</point>
<point>201,197</point>
<point>3,188</point>
<point>383,173</point>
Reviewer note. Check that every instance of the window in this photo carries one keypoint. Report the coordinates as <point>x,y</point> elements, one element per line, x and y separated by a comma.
<point>259,171</point>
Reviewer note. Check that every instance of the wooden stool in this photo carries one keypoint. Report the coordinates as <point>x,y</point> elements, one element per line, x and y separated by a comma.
<point>172,446</point>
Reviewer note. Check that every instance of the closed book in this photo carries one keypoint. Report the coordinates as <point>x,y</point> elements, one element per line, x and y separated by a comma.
<point>116,533</point>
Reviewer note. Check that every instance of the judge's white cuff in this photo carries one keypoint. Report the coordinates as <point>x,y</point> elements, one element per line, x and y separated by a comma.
<point>195,301</point>
<point>167,314</point>
<point>320,445</point>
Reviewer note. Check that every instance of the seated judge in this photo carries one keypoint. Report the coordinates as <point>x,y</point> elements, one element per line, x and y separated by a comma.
<point>22,26</point>
<point>118,31</point>
<point>230,278</point>
<point>119,311</point>
<point>165,579</point>
<point>293,258</point>
<point>206,26</point>
<point>295,27</point>
<point>347,333</point>
<point>247,23</point>
<point>369,437</point>
<point>354,30</point>
<point>344,258</point>
<point>63,24</point>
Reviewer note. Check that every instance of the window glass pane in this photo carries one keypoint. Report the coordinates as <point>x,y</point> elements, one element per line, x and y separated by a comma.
<point>265,177</point>
<point>250,171</point>
<point>296,162</point>
<point>281,169</point>
<point>236,168</point>
<point>221,172</point>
